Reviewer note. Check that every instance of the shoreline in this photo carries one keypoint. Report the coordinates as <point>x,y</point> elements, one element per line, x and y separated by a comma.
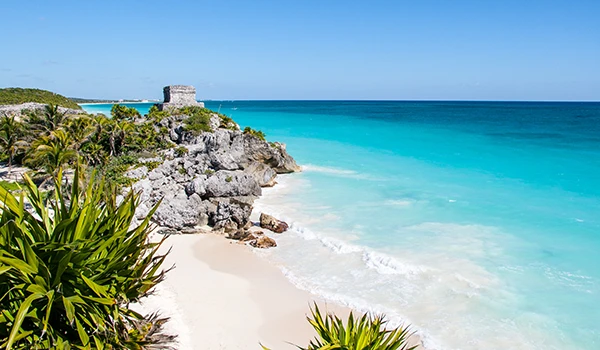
<point>221,288</point>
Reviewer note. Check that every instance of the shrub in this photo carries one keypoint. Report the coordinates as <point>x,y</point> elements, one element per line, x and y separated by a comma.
<point>365,333</point>
<point>256,133</point>
<point>156,115</point>
<point>181,151</point>
<point>117,167</point>
<point>227,122</point>
<point>209,172</point>
<point>198,120</point>
<point>153,164</point>
<point>228,179</point>
<point>120,112</point>
<point>70,267</point>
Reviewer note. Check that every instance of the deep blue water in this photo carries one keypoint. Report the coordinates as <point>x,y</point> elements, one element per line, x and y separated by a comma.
<point>475,221</point>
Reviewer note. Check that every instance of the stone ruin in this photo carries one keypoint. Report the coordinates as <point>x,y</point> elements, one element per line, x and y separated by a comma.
<point>177,96</point>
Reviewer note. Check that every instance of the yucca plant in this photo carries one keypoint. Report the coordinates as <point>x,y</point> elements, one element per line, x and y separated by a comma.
<point>70,266</point>
<point>366,333</point>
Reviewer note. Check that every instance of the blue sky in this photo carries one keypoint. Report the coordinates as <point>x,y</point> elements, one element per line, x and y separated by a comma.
<point>473,50</point>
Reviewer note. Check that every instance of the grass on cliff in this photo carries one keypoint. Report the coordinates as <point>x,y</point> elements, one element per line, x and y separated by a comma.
<point>198,121</point>
<point>256,133</point>
<point>14,96</point>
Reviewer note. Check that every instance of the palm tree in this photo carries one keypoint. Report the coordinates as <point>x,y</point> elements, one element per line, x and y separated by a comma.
<point>79,129</point>
<point>51,152</point>
<point>10,142</point>
<point>50,120</point>
<point>116,132</point>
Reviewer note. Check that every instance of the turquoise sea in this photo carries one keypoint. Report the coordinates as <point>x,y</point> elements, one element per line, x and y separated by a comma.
<point>477,222</point>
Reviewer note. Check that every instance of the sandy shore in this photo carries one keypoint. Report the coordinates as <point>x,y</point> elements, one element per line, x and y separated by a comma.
<point>223,296</point>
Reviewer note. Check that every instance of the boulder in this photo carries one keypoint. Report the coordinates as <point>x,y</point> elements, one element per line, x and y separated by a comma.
<point>231,184</point>
<point>178,213</point>
<point>270,223</point>
<point>262,173</point>
<point>197,185</point>
<point>231,213</point>
<point>263,242</point>
<point>272,154</point>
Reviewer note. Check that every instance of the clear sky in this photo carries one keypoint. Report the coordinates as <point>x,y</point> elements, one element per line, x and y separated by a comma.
<point>304,49</point>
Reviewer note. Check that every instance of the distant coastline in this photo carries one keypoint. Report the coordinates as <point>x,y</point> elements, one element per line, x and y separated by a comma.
<point>114,102</point>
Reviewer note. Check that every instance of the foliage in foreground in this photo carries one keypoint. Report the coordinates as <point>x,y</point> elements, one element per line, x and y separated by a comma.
<point>366,333</point>
<point>70,266</point>
<point>9,96</point>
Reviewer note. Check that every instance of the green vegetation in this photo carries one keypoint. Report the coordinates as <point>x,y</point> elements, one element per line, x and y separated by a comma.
<point>181,151</point>
<point>117,167</point>
<point>13,96</point>
<point>198,121</point>
<point>256,133</point>
<point>10,186</point>
<point>10,133</point>
<point>120,112</point>
<point>366,333</point>
<point>70,268</point>
<point>156,115</point>
<point>227,122</point>
<point>48,141</point>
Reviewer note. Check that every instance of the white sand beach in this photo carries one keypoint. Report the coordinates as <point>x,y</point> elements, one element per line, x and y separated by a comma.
<point>223,296</point>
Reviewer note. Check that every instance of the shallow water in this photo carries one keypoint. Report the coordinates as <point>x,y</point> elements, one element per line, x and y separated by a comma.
<point>477,222</point>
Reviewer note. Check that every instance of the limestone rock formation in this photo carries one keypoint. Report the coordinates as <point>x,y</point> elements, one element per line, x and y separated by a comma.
<point>270,223</point>
<point>177,96</point>
<point>215,183</point>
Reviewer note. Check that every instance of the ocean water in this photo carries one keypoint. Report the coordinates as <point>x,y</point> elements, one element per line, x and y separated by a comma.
<point>476,222</point>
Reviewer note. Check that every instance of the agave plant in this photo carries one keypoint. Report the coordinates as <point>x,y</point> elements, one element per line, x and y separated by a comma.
<point>70,266</point>
<point>366,333</point>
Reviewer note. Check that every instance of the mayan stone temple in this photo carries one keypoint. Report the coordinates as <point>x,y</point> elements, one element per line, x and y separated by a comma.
<point>177,96</point>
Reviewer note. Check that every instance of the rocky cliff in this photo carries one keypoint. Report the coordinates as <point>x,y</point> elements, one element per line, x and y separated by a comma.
<point>214,182</point>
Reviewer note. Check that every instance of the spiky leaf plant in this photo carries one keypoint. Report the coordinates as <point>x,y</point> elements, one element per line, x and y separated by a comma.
<point>70,266</point>
<point>366,333</point>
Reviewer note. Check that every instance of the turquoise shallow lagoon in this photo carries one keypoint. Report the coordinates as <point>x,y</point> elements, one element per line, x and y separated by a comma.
<point>478,222</point>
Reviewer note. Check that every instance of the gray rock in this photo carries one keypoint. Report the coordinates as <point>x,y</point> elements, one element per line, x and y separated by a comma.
<point>273,155</point>
<point>197,186</point>
<point>215,121</point>
<point>137,173</point>
<point>232,183</point>
<point>231,213</point>
<point>262,173</point>
<point>217,181</point>
<point>177,214</point>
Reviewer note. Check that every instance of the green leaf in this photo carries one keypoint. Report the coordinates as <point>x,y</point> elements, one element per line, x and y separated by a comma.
<point>69,309</point>
<point>19,265</point>
<point>19,319</point>
<point>98,289</point>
